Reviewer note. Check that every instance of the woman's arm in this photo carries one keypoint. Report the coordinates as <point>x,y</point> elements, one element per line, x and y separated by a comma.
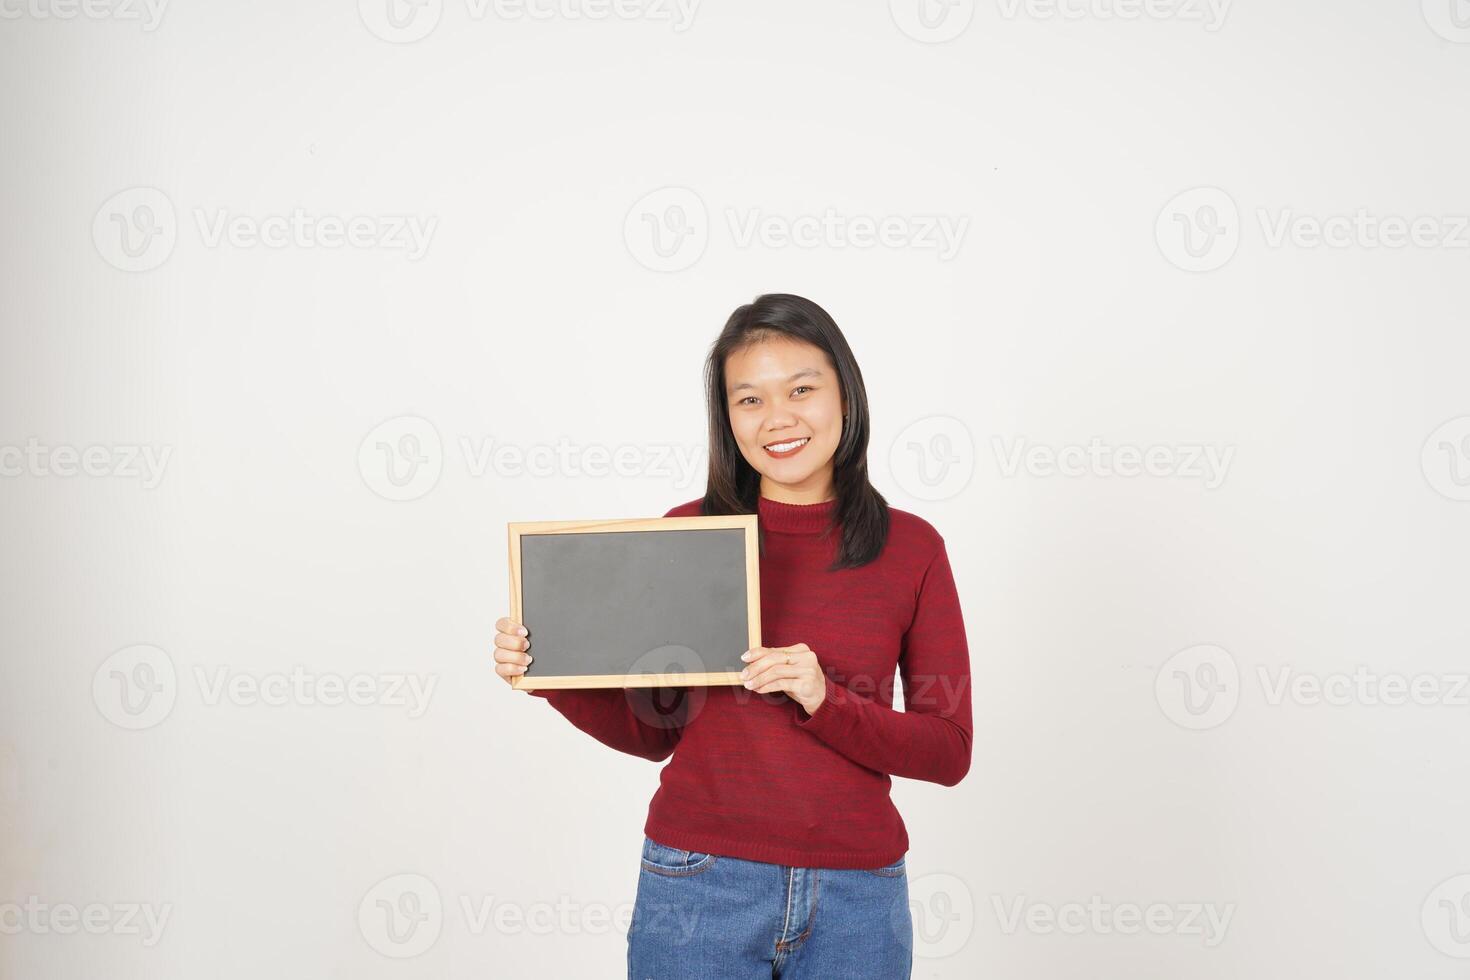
<point>626,719</point>
<point>930,739</point>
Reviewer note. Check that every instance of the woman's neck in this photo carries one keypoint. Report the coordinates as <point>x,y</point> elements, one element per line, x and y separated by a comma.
<point>797,495</point>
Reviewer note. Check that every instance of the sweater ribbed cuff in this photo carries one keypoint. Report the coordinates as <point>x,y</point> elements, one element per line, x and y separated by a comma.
<point>829,718</point>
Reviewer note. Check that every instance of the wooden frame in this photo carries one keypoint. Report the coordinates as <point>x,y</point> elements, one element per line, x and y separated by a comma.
<point>745,522</point>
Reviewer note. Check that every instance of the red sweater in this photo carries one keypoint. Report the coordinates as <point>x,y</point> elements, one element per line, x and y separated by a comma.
<point>753,775</point>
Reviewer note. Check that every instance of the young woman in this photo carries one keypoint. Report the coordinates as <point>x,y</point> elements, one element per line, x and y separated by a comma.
<point>772,847</point>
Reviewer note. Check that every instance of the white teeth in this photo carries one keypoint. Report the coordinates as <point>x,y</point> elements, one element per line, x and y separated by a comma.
<point>781,447</point>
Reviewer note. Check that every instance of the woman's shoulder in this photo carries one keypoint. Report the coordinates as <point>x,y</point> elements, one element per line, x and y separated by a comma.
<point>690,508</point>
<point>912,533</point>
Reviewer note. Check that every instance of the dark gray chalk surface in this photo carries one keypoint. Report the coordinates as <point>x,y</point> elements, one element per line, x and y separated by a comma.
<point>643,602</point>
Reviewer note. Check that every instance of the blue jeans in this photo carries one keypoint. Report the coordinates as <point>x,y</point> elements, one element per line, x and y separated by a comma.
<point>724,918</point>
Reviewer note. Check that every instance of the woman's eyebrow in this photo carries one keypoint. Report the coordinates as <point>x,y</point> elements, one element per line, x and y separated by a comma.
<point>803,373</point>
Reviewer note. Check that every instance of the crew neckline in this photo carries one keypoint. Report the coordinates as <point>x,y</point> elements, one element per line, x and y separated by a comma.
<point>776,515</point>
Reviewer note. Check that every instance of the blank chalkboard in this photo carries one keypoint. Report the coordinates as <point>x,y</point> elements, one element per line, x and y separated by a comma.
<point>648,602</point>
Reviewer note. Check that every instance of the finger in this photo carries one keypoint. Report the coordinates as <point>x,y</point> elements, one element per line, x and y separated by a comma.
<point>509,642</point>
<point>509,670</point>
<point>759,664</point>
<point>776,655</point>
<point>755,653</point>
<point>785,683</point>
<point>755,680</point>
<point>507,656</point>
<point>796,652</point>
<point>510,627</point>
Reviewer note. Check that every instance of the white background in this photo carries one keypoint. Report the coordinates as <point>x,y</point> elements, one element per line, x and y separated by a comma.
<point>543,312</point>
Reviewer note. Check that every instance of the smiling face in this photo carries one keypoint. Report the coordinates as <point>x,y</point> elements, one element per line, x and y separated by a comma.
<point>783,391</point>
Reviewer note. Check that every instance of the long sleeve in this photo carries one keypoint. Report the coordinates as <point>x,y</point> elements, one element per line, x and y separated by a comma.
<point>645,722</point>
<point>931,738</point>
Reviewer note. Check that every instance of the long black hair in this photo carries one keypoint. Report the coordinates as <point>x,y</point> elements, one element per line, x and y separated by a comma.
<point>733,486</point>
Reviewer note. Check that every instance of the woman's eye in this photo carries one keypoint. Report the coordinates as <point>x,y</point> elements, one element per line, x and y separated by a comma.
<point>793,391</point>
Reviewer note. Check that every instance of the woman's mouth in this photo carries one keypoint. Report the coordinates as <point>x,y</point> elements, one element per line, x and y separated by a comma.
<point>781,450</point>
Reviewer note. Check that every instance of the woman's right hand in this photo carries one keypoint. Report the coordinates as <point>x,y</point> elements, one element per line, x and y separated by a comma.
<point>511,644</point>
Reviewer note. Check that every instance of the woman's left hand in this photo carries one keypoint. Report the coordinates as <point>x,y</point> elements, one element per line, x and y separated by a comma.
<point>792,669</point>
